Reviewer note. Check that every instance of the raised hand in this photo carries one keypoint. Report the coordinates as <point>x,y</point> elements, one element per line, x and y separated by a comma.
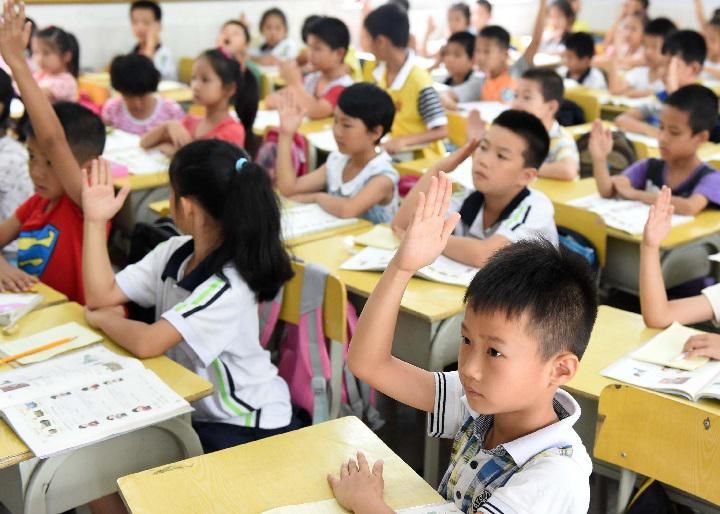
<point>429,230</point>
<point>476,126</point>
<point>659,220</point>
<point>291,114</point>
<point>99,202</point>
<point>14,32</point>
<point>449,163</point>
<point>600,141</point>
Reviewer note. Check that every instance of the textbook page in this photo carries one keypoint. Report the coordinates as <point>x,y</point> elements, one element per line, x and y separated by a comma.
<point>96,409</point>
<point>463,175</point>
<point>14,306</point>
<point>626,215</point>
<point>265,120</point>
<point>488,110</point>
<point>308,218</point>
<point>380,236</point>
<point>81,337</point>
<point>42,379</point>
<point>666,348</point>
<point>117,139</point>
<point>139,161</point>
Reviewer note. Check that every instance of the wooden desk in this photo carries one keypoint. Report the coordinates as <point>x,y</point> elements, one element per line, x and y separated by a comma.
<point>50,296</point>
<point>287,469</point>
<point>143,182</point>
<point>161,208</point>
<point>180,93</point>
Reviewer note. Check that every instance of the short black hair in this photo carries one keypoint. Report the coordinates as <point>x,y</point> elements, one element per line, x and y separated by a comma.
<point>7,93</point>
<point>465,40</point>
<point>134,75</point>
<point>331,31</point>
<point>529,128</point>
<point>306,25</point>
<point>84,130</point>
<point>660,27</point>
<point>274,11</point>
<point>150,5</point>
<point>699,102</point>
<point>565,8</point>
<point>462,8</point>
<point>498,34</point>
<point>551,84</point>
<point>645,4</point>
<point>370,104</point>
<point>581,44</point>
<point>689,45</point>
<point>402,4</point>
<point>390,21</point>
<point>487,5</point>
<point>242,25</point>
<point>553,289</point>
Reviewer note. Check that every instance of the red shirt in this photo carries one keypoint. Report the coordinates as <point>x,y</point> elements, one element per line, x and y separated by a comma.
<point>50,244</point>
<point>228,129</point>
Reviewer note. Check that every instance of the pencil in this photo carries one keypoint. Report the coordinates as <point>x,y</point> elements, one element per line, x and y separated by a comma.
<point>37,349</point>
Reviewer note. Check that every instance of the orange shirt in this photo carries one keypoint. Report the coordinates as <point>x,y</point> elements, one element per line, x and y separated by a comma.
<point>498,89</point>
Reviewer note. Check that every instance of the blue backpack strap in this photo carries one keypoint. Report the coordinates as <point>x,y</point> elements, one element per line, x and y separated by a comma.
<point>687,190</point>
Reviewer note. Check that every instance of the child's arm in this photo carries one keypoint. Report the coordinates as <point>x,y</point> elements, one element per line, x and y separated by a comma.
<point>632,121</point>
<point>532,48</point>
<point>691,206</point>
<point>600,147</point>
<point>14,33</point>
<point>370,356</point>
<point>656,310</point>
<point>360,489</point>
<point>315,108</point>
<point>399,143</point>
<point>700,14</point>
<point>377,191</point>
<point>172,132</point>
<point>474,252</point>
<point>564,169</point>
<point>11,278</point>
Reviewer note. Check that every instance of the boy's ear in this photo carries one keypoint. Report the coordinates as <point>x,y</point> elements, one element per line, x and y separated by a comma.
<point>527,175</point>
<point>67,57</point>
<point>696,68</point>
<point>564,367</point>
<point>702,137</point>
<point>376,132</point>
<point>553,106</point>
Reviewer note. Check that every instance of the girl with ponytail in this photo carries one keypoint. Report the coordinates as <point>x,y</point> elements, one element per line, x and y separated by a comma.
<point>205,286</point>
<point>56,54</point>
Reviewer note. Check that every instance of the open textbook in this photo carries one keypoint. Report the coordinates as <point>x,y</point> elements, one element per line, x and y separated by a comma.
<point>303,219</point>
<point>123,149</point>
<point>14,306</point>
<point>443,270</point>
<point>659,365</point>
<point>626,215</point>
<point>332,507</point>
<point>82,398</point>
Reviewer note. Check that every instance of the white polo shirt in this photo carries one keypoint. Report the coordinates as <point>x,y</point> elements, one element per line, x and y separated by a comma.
<point>529,215</point>
<point>545,471</point>
<point>217,317</point>
<point>712,294</point>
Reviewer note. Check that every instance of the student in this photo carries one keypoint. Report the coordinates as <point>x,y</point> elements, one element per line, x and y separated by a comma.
<point>355,181</point>
<point>686,119</point>
<point>645,80</point>
<point>686,52</point>
<point>639,7</point>
<point>560,19</point>
<point>458,59</point>
<point>711,31</point>
<point>540,92</point>
<point>458,20</point>
<point>15,183</point>
<point>234,38</point>
<point>577,62</point>
<point>138,108</point>
<point>626,51</point>
<point>63,138</point>
<point>217,81</point>
<point>481,14</point>
<point>502,209</point>
<point>328,39</point>
<point>420,118</point>
<point>657,311</point>
<point>579,25</point>
<point>528,318</point>
<point>146,19</point>
<point>277,46</point>
<point>56,55</point>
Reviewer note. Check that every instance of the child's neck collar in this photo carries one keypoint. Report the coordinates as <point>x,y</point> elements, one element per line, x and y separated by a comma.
<point>334,73</point>
<point>509,426</point>
<point>494,75</point>
<point>216,112</point>
<point>396,59</point>
<point>361,159</point>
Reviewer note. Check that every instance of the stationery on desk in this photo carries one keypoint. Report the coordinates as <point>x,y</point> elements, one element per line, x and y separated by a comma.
<point>83,398</point>
<point>14,306</point>
<point>75,335</point>
<point>380,236</point>
<point>661,365</point>
<point>303,219</point>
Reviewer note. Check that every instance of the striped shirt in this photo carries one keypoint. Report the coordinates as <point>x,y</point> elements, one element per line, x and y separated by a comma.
<point>217,317</point>
<point>562,145</point>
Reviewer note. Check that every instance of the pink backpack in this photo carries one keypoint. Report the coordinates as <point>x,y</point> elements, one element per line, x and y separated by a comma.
<point>305,356</point>
<point>267,153</point>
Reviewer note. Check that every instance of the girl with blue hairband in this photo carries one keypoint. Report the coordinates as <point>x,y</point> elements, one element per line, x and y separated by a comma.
<point>205,286</point>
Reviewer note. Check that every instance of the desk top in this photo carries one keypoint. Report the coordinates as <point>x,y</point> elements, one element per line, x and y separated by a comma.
<point>616,334</point>
<point>287,469</point>
<point>431,301</point>
<point>50,296</point>
<point>184,382</point>
<point>140,182</point>
<point>171,90</point>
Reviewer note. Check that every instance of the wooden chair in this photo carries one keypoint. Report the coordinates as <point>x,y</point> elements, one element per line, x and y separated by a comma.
<point>586,223</point>
<point>666,438</point>
<point>588,102</point>
<point>457,128</point>
<point>642,150</point>
<point>185,69</point>
<point>98,93</point>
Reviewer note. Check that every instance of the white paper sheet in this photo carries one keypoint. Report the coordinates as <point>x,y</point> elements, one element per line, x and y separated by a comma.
<point>488,110</point>
<point>309,218</point>
<point>266,119</point>
<point>116,140</point>
<point>139,161</point>
<point>667,346</point>
<point>82,337</point>
<point>323,140</point>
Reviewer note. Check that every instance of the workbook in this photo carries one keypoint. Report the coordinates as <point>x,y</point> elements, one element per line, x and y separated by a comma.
<point>76,335</point>
<point>661,365</point>
<point>380,236</point>
<point>14,306</point>
<point>303,219</point>
<point>444,269</point>
<point>82,398</point>
<point>626,215</point>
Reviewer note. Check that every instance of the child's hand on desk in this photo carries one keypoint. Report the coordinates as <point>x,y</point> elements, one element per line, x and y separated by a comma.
<point>291,114</point>
<point>99,202</point>
<point>14,33</point>
<point>177,134</point>
<point>623,188</point>
<point>703,345</point>
<point>14,280</point>
<point>429,229</point>
<point>601,141</point>
<point>358,488</point>
<point>659,220</point>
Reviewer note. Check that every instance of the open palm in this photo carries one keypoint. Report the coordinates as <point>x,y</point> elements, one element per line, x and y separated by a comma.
<point>99,201</point>
<point>659,220</point>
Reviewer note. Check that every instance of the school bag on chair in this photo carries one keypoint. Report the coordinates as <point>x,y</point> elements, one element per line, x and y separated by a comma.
<point>267,153</point>
<point>621,156</point>
<point>305,358</point>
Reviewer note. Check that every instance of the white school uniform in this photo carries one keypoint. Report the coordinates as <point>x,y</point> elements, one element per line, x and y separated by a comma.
<point>712,294</point>
<point>639,78</point>
<point>217,316</point>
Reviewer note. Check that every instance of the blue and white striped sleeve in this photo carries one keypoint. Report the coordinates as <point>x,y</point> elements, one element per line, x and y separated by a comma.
<point>430,108</point>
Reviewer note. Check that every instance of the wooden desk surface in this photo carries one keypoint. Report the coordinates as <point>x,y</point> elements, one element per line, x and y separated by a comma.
<point>161,207</point>
<point>287,469</point>
<point>179,94</point>
<point>431,301</point>
<point>184,382</point>
<point>616,334</point>
<point>50,296</point>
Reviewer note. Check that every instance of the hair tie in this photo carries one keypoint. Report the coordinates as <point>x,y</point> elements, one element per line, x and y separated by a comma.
<point>240,164</point>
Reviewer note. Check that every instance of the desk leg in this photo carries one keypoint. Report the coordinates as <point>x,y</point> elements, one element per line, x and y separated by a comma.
<point>625,489</point>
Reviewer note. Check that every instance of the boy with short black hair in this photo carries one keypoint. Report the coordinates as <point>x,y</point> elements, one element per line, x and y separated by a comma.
<point>462,79</point>
<point>686,50</point>
<point>540,92</point>
<point>528,319</point>
<point>577,65</point>
<point>687,117</point>
<point>146,18</point>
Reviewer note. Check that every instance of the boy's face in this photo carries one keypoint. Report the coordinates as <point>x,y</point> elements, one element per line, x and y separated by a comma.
<point>676,139</point>
<point>143,22</point>
<point>46,183</point>
<point>529,98</point>
<point>456,21</point>
<point>273,30</point>
<point>575,65</point>
<point>321,56</point>
<point>490,57</point>
<point>378,46</point>
<point>480,16</point>
<point>500,365</point>
<point>140,106</point>
<point>499,163</point>
<point>351,134</point>
<point>456,59</point>
<point>652,48</point>
<point>232,40</point>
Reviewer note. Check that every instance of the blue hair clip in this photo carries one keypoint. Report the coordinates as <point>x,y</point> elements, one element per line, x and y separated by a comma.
<point>240,164</point>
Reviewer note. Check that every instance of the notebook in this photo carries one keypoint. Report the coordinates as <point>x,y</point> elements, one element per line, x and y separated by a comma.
<point>81,336</point>
<point>666,348</point>
<point>82,398</point>
<point>309,218</point>
<point>14,306</point>
<point>380,236</point>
